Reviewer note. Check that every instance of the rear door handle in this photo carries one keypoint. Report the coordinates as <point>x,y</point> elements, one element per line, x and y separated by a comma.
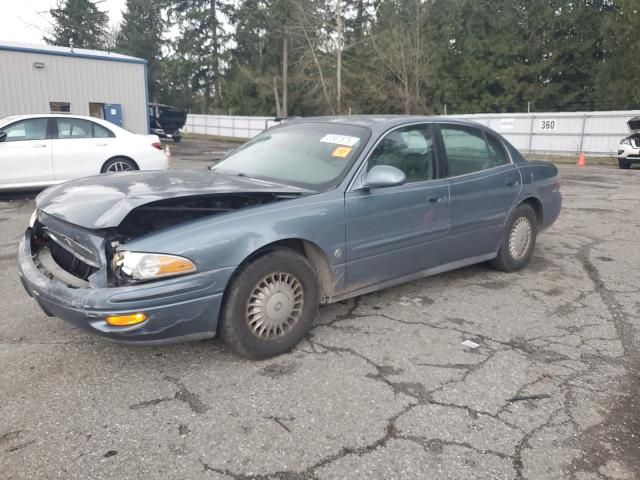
<point>435,199</point>
<point>39,146</point>
<point>512,182</point>
<point>101,144</point>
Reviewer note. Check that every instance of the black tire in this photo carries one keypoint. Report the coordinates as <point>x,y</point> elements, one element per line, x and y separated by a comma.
<point>177,139</point>
<point>119,164</point>
<point>506,261</point>
<point>239,328</point>
<point>624,164</point>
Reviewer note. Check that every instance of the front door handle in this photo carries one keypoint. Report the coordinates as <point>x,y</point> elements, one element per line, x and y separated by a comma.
<point>435,199</point>
<point>512,182</point>
<point>39,146</point>
<point>101,144</point>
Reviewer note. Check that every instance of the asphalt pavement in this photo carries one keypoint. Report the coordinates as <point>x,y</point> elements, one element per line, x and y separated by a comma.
<point>381,388</point>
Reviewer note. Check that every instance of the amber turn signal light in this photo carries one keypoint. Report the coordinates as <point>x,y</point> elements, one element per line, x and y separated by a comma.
<point>126,320</point>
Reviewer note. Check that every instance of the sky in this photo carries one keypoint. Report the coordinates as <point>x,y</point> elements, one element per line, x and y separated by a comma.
<point>25,21</point>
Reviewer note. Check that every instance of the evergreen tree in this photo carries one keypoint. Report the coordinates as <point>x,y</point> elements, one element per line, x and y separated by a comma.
<point>79,23</point>
<point>140,35</point>
<point>202,45</point>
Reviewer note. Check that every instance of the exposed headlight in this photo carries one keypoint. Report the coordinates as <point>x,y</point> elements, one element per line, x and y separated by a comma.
<point>138,266</point>
<point>34,217</point>
<point>626,141</point>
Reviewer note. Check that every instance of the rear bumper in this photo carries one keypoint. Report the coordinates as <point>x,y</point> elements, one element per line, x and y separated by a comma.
<point>183,308</point>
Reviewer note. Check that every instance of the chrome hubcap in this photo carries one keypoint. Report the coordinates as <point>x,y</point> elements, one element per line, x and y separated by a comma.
<point>520,238</point>
<point>119,167</point>
<point>275,305</point>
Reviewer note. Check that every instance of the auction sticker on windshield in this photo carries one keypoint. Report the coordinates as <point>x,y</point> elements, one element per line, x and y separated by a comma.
<point>340,139</point>
<point>341,152</point>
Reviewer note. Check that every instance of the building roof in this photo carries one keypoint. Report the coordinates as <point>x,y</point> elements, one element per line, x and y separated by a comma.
<point>68,52</point>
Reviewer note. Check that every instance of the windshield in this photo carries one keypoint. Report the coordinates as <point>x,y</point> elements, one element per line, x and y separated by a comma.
<point>316,156</point>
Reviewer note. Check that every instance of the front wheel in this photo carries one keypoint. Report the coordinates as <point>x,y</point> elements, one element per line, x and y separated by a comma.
<point>624,164</point>
<point>519,240</point>
<point>270,305</point>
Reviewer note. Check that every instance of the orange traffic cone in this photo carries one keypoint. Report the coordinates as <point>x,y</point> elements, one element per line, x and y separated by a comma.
<point>582,160</point>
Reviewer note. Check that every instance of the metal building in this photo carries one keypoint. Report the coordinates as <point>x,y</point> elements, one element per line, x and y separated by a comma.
<point>48,79</point>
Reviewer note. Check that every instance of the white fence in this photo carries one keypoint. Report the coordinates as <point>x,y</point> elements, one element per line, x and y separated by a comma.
<point>227,126</point>
<point>596,133</point>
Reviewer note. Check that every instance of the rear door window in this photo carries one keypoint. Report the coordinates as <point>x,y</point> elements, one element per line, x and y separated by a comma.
<point>74,128</point>
<point>101,132</point>
<point>468,150</point>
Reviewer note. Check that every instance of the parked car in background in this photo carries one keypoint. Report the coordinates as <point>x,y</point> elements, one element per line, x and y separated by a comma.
<point>166,121</point>
<point>41,150</point>
<point>309,212</point>
<point>629,150</point>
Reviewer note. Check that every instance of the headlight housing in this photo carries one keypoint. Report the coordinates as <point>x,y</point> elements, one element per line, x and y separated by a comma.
<point>626,141</point>
<point>131,267</point>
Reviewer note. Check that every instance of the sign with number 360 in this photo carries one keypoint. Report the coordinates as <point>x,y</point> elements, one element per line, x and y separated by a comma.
<point>547,124</point>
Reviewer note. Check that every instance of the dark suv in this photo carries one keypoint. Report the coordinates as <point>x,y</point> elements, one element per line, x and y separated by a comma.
<point>629,149</point>
<point>166,121</point>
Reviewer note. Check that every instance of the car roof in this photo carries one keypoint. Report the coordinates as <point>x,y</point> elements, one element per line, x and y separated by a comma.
<point>379,123</point>
<point>47,115</point>
<point>100,121</point>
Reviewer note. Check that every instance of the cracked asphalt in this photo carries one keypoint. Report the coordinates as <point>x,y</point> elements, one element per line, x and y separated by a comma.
<point>381,388</point>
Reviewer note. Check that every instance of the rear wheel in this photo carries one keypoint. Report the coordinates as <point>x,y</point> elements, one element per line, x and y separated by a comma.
<point>624,164</point>
<point>519,240</point>
<point>118,164</point>
<point>270,305</point>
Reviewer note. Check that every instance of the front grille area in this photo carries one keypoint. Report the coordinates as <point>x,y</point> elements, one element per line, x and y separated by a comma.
<point>63,258</point>
<point>70,263</point>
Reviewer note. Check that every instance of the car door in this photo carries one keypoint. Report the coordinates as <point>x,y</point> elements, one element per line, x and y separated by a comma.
<point>483,186</point>
<point>25,154</point>
<point>395,231</point>
<point>80,148</point>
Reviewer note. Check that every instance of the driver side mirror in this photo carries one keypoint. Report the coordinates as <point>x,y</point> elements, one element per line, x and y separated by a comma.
<point>383,176</point>
<point>3,136</point>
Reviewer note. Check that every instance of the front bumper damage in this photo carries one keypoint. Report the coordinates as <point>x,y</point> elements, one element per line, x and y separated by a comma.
<point>177,309</point>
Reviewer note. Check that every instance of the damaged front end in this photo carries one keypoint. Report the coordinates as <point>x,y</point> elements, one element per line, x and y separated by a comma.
<point>92,258</point>
<point>89,276</point>
<point>166,213</point>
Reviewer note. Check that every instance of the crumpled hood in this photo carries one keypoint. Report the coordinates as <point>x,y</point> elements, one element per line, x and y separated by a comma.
<point>103,201</point>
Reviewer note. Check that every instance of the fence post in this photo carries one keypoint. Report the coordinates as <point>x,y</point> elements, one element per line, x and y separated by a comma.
<point>233,127</point>
<point>533,119</point>
<point>584,125</point>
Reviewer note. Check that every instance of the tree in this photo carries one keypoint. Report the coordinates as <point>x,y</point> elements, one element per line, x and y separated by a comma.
<point>141,35</point>
<point>202,44</point>
<point>79,23</point>
<point>617,78</point>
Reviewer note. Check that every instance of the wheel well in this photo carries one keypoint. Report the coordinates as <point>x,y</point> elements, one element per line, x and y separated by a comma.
<point>537,207</point>
<point>312,252</point>
<point>119,156</point>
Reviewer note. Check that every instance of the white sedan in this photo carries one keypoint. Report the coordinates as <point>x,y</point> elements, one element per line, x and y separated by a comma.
<point>41,150</point>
